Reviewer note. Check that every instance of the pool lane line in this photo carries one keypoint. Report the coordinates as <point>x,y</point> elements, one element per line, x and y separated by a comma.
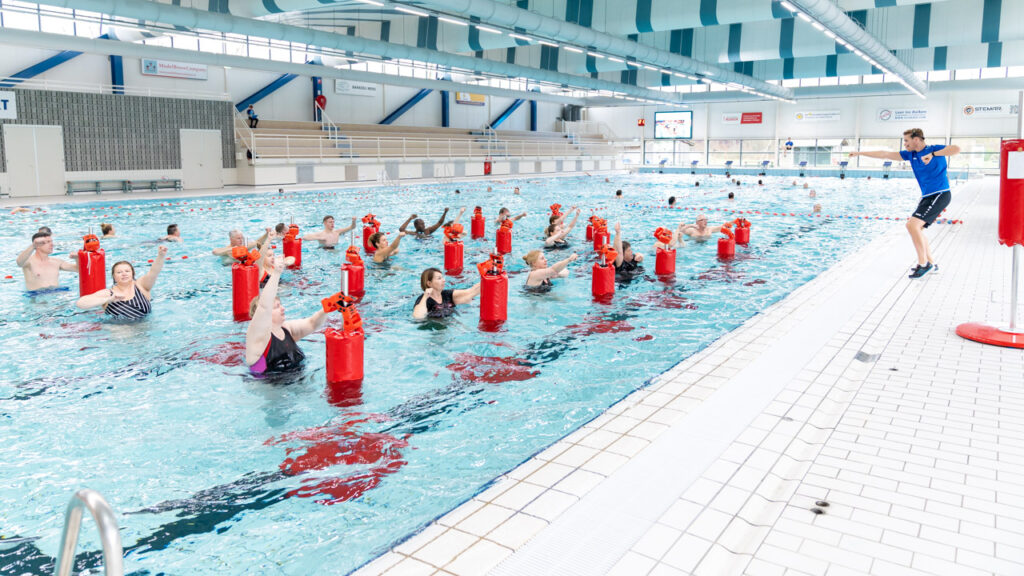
<point>785,214</point>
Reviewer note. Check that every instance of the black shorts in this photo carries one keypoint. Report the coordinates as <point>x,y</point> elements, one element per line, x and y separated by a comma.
<point>931,206</point>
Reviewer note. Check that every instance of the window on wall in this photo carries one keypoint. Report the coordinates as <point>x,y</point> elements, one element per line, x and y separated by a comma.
<point>873,78</point>
<point>686,154</point>
<point>993,72</point>
<point>211,45</point>
<point>722,151</point>
<point>976,153</point>
<point>872,144</point>
<point>832,151</point>
<point>938,76</point>
<point>967,74</point>
<point>756,151</point>
<point>23,15</point>
<point>791,83</point>
<point>234,44</point>
<point>658,150</point>
<point>848,80</point>
<point>60,23</point>
<point>1015,71</point>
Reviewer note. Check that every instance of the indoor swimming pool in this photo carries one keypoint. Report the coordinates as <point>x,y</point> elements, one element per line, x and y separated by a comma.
<point>214,471</point>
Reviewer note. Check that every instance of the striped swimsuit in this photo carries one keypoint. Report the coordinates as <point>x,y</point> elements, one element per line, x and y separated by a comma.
<point>133,309</point>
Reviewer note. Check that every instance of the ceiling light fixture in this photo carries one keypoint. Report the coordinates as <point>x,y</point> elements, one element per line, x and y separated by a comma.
<point>546,43</point>
<point>573,49</point>
<point>486,29</point>
<point>374,2</point>
<point>452,21</point>
<point>411,11</point>
<point>520,37</point>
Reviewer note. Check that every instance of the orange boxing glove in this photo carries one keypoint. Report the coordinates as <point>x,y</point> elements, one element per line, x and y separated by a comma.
<point>92,243</point>
<point>664,235</point>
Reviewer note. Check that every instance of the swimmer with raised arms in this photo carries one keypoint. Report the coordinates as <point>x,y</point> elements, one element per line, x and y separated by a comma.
<point>127,298</point>
<point>700,231</point>
<point>41,270</point>
<point>555,234</point>
<point>627,263</point>
<point>540,275</point>
<point>328,237</point>
<point>420,227</point>
<point>436,302</point>
<point>270,341</point>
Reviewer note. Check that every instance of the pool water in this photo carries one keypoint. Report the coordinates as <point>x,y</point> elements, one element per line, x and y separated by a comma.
<point>213,471</point>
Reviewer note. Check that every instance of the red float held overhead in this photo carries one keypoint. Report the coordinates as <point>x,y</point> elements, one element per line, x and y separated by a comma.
<point>92,266</point>
<point>291,245</point>
<point>345,346</point>
<point>503,239</point>
<point>370,227</point>
<point>603,279</point>
<point>493,290</point>
<point>245,282</point>
<point>453,249</point>
<point>354,271</point>
<point>477,223</point>
<point>599,235</point>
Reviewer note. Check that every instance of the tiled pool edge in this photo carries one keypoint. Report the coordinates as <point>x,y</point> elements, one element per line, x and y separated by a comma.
<point>486,529</point>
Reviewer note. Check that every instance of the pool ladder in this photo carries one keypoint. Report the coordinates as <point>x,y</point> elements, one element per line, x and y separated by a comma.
<point>110,535</point>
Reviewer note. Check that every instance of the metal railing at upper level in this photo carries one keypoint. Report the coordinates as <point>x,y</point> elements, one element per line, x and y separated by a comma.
<point>286,146</point>
<point>110,536</point>
<point>587,127</point>
<point>99,88</point>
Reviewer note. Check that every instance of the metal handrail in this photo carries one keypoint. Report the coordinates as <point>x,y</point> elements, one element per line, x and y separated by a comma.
<point>98,87</point>
<point>110,535</point>
<point>246,130</point>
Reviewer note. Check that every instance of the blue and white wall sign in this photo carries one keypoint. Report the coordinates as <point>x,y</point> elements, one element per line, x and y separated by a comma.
<point>8,107</point>
<point>902,114</point>
<point>990,110</point>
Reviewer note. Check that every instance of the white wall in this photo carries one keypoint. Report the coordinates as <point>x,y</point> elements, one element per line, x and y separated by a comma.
<point>293,101</point>
<point>858,117</point>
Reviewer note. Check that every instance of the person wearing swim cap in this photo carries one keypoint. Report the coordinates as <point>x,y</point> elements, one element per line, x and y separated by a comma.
<point>422,230</point>
<point>929,166</point>
<point>41,270</point>
<point>627,263</point>
<point>270,340</point>
<point>540,275</point>
<point>700,231</point>
<point>436,302</point>
<point>127,298</point>
<point>328,237</point>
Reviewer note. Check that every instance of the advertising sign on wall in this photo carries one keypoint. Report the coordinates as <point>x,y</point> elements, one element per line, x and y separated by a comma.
<point>817,116</point>
<point>8,109</point>
<point>741,118</point>
<point>902,114</point>
<point>171,69</point>
<point>353,88</point>
<point>470,99</point>
<point>990,110</point>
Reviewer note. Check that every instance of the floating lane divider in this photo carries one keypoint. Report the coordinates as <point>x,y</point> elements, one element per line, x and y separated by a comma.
<point>787,214</point>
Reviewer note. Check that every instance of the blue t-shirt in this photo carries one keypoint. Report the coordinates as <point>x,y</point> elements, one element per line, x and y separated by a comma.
<point>931,177</point>
<point>251,113</point>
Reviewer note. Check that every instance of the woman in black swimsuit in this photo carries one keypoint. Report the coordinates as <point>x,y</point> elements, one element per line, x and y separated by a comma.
<point>539,278</point>
<point>270,341</point>
<point>127,298</point>
<point>555,234</point>
<point>627,263</point>
<point>436,302</point>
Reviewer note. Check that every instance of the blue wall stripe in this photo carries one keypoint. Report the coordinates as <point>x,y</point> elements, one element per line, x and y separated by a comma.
<point>666,80</point>
<point>629,76</point>
<point>548,58</point>
<point>385,31</point>
<point>885,3</point>
<point>270,5</point>
<point>524,4</point>
<point>995,54</point>
<point>735,34</point>
<point>510,55</point>
<point>681,42</point>
<point>445,109</point>
<point>318,89</point>
<point>778,11</point>
<point>787,69</point>
<point>748,68</point>
<point>786,38</point>
<point>840,49</point>
<point>117,73</point>
<point>922,24</point>
<point>643,16</point>
<point>508,112</point>
<point>709,12</point>
<point>990,21</point>
<point>586,13</point>
<point>859,16</point>
<point>939,62</point>
<point>831,65</point>
<point>40,67</point>
<point>572,11</point>
<point>533,115</point>
<point>738,67</point>
<point>474,39</point>
<point>426,33</point>
<point>406,106</point>
<point>591,64</point>
<point>265,91</point>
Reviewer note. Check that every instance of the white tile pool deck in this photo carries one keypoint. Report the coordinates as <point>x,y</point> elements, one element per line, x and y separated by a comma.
<point>853,391</point>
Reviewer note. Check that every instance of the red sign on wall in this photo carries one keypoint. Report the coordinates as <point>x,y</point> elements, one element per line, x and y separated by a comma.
<point>750,118</point>
<point>641,122</point>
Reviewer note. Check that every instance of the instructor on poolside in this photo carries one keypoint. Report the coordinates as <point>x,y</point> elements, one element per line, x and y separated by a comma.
<point>929,165</point>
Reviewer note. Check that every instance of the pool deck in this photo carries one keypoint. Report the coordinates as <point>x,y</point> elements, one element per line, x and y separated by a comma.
<point>853,396</point>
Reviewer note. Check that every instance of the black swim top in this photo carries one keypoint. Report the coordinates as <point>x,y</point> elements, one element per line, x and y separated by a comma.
<point>280,355</point>
<point>442,309</point>
<point>558,245</point>
<point>628,269</point>
<point>133,309</point>
<point>544,286</point>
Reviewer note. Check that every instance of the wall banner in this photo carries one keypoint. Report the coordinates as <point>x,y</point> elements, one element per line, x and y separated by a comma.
<point>902,114</point>
<point>817,116</point>
<point>990,110</point>
<point>470,99</point>
<point>8,106</point>
<point>353,88</point>
<point>170,69</point>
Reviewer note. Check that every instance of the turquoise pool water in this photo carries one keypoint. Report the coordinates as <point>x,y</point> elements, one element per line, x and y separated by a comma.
<point>213,471</point>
